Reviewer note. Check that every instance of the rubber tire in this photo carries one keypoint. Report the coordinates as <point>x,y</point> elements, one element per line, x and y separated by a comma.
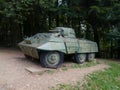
<point>43,62</point>
<point>28,57</point>
<point>80,60</point>
<point>90,56</point>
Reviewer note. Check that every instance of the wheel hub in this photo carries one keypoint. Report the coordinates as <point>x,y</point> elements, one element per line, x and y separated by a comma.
<point>80,58</point>
<point>52,59</point>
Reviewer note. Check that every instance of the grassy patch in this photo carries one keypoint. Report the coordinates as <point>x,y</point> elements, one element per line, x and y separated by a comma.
<point>86,64</point>
<point>107,79</point>
<point>104,80</point>
<point>66,87</point>
<point>76,65</point>
<point>50,71</point>
<point>64,68</point>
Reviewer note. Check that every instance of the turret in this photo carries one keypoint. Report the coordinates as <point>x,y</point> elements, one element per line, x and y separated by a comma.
<point>65,32</point>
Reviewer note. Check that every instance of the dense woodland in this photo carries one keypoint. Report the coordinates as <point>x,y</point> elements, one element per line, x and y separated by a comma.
<point>97,20</point>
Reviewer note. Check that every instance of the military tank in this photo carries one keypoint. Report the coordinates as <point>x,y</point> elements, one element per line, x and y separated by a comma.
<point>50,48</point>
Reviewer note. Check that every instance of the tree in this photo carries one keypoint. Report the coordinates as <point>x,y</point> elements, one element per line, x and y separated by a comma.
<point>91,19</point>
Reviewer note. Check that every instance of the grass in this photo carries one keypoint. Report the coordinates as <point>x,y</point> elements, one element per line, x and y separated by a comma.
<point>86,64</point>
<point>66,87</point>
<point>75,65</point>
<point>50,71</point>
<point>104,80</point>
<point>64,68</point>
<point>108,79</point>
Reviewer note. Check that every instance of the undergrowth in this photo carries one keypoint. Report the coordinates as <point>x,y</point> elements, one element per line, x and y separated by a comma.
<point>107,79</point>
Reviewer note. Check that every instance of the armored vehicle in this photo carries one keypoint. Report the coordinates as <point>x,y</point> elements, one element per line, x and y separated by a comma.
<point>50,48</point>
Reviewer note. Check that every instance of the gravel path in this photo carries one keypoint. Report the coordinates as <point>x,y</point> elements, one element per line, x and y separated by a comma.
<point>13,75</point>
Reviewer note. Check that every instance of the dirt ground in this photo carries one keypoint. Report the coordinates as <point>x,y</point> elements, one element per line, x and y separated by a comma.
<point>14,76</point>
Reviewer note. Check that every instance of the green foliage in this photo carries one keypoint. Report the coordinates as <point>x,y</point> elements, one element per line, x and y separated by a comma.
<point>28,17</point>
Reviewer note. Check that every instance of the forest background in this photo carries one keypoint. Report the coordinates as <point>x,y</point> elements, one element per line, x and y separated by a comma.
<point>97,20</point>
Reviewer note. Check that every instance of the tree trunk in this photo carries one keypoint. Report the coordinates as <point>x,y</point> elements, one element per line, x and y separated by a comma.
<point>96,39</point>
<point>57,20</point>
<point>111,49</point>
<point>50,20</point>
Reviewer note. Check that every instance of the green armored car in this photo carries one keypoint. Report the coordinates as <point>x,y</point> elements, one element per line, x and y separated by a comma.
<point>50,48</point>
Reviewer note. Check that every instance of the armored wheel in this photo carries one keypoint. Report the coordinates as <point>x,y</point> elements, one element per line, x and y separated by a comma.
<point>28,57</point>
<point>51,59</point>
<point>80,58</point>
<point>91,56</point>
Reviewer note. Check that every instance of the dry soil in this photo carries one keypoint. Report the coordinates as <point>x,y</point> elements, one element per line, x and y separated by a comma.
<point>14,76</point>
